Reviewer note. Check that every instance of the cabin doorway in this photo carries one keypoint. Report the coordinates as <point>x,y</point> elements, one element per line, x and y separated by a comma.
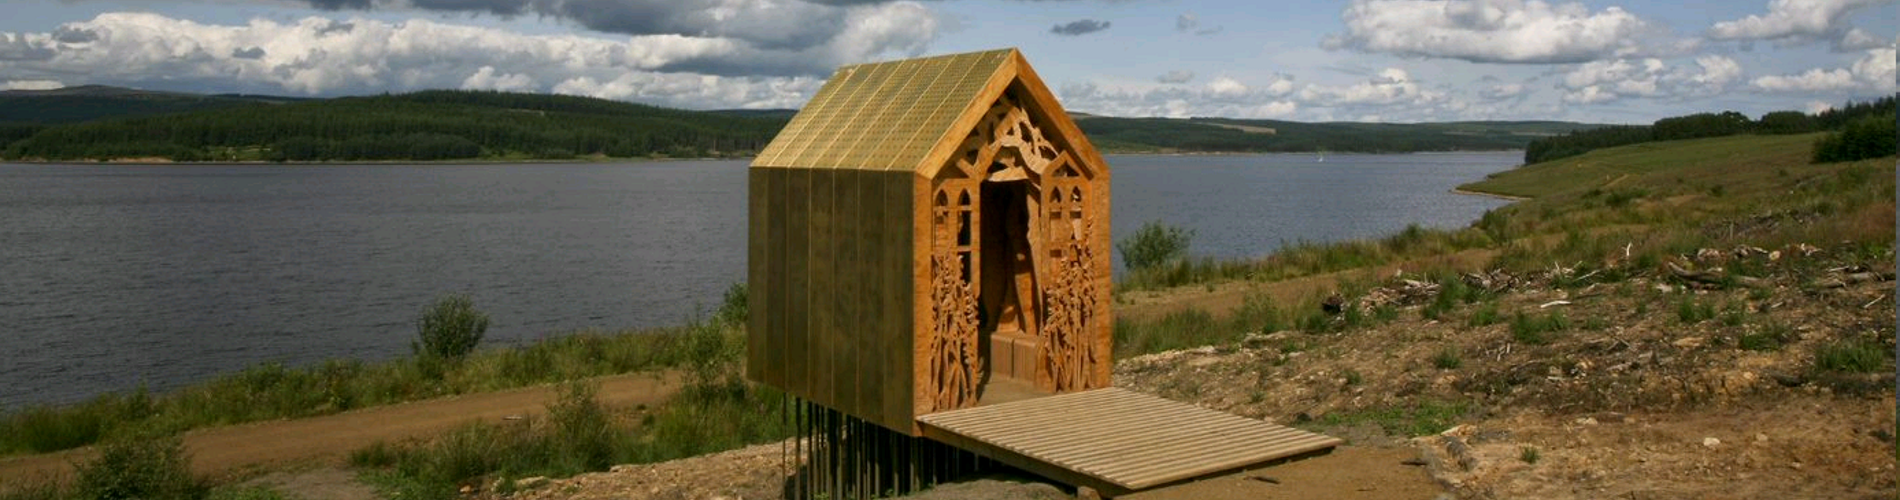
<point>1008,294</point>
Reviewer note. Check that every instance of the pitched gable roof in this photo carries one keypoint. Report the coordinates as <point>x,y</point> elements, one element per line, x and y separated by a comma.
<point>906,115</point>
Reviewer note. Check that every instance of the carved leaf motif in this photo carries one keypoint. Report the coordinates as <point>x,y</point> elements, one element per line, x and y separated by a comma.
<point>954,362</point>
<point>1067,349</point>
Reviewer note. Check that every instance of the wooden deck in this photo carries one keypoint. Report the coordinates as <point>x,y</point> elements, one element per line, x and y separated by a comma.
<point>1118,441</point>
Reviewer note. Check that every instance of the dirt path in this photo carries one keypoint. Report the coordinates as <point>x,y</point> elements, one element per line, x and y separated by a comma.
<point>255,446</point>
<point>1350,472</point>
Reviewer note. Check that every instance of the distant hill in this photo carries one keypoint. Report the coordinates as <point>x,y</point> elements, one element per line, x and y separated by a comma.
<point>98,122</point>
<point>1237,135</point>
<point>92,102</point>
<point>427,125</point>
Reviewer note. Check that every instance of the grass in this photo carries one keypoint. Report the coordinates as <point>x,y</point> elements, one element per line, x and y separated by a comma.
<point>1769,337</point>
<point>717,411</point>
<point>1532,329</point>
<point>1448,359</point>
<point>1851,356</point>
<point>1410,420</point>
<point>1297,259</point>
<point>1689,312</point>
<point>273,390</point>
<point>1529,454</point>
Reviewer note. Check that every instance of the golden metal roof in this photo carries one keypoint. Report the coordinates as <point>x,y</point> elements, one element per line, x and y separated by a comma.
<point>884,116</point>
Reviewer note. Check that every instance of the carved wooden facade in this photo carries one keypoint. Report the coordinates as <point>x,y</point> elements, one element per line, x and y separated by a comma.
<point>924,230</point>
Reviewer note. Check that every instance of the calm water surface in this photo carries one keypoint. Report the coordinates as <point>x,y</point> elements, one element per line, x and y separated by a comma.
<point>113,276</point>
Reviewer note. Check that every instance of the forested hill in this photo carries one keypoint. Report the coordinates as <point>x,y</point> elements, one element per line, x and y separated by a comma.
<point>95,123</point>
<point>428,125</point>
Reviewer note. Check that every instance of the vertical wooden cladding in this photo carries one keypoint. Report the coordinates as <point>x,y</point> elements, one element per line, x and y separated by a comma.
<point>830,274</point>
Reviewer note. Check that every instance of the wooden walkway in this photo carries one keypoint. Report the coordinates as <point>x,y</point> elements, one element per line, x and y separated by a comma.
<point>1118,441</point>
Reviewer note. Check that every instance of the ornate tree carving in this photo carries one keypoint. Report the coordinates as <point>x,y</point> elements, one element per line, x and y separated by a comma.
<point>955,365</point>
<point>1068,351</point>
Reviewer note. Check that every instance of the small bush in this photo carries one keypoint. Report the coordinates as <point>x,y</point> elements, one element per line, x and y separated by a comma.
<point>733,310</point>
<point>1689,312</point>
<point>1353,377</point>
<point>1851,357</point>
<point>1484,316</point>
<point>1529,454</point>
<point>1154,244</point>
<point>139,465</point>
<point>449,329</point>
<point>583,436</point>
<point>1530,329</point>
<point>1770,338</point>
<point>1448,359</point>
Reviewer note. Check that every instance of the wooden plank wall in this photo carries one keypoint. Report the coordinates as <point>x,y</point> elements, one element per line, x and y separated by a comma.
<point>831,272</point>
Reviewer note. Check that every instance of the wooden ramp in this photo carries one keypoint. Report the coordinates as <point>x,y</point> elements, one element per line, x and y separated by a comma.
<point>1118,441</point>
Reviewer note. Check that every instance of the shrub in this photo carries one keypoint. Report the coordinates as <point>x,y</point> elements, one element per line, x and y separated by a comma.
<point>733,310</point>
<point>450,329</point>
<point>583,435</point>
<point>1448,359</point>
<point>1689,312</point>
<point>1851,357</point>
<point>1530,329</point>
<point>1484,316</point>
<point>1154,244</point>
<point>139,465</point>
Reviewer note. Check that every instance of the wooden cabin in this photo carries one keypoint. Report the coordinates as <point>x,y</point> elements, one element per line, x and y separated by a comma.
<point>926,235</point>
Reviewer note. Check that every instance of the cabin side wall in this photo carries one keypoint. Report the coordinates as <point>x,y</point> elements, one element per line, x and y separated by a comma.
<point>829,271</point>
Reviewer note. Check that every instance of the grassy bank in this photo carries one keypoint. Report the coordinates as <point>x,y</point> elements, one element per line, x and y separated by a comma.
<point>1601,217</point>
<point>273,391</point>
<point>717,410</point>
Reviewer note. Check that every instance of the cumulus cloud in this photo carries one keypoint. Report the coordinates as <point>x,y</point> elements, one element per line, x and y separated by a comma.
<point>1176,76</point>
<point>31,85</point>
<point>766,24</point>
<point>1079,27</point>
<point>1604,81</point>
<point>1798,21</point>
<point>1389,94</point>
<point>487,79</point>
<point>1873,72</point>
<point>1503,91</point>
<point>1189,23</point>
<point>323,56</point>
<point>1491,31</point>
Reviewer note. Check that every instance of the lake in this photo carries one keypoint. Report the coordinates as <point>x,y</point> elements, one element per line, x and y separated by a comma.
<point>116,276</point>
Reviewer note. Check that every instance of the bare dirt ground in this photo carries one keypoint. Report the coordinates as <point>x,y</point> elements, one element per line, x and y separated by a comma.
<point>758,472</point>
<point>255,447</point>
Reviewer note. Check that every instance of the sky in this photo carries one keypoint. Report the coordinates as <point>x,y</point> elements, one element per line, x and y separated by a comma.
<point>1600,61</point>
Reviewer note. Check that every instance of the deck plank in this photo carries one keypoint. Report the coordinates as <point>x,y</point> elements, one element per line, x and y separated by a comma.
<point>1119,441</point>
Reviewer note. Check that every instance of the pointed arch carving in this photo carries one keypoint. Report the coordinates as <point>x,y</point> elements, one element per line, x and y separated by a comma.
<point>1009,144</point>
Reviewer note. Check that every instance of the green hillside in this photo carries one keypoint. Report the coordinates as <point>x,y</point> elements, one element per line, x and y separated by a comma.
<point>428,125</point>
<point>92,102</point>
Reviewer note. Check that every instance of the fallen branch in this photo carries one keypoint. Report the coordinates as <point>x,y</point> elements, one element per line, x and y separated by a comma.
<point>1714,278</point>
<point>1554,303</point>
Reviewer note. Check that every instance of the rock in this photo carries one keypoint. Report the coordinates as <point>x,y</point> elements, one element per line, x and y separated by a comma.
<point>1690,342</point>
<point>1711,442</point>
<point>1586,421</point>
<point>1761,438</point>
